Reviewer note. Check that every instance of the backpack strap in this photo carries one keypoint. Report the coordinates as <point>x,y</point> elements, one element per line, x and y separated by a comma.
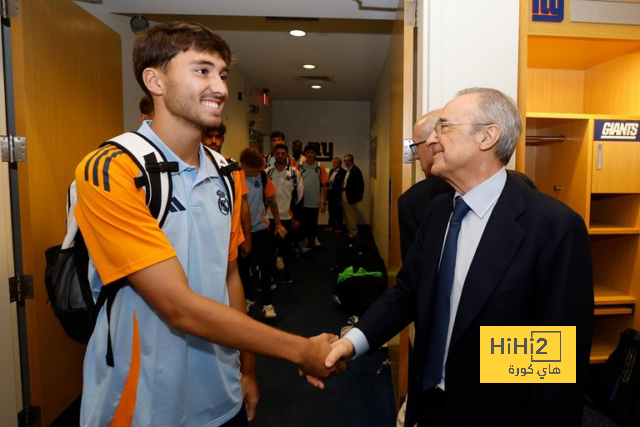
<point>270,170</point>
<point>156,171</point>
<point>263,176</point>
<point>156,178</point>
<point>225,169</point>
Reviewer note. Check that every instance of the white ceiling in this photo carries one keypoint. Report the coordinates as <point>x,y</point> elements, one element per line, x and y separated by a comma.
<point>348,40</point>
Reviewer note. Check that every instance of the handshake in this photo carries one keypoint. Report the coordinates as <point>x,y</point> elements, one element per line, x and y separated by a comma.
<point>325,356</point>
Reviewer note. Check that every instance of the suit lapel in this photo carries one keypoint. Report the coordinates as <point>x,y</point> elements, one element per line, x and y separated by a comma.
<point>497,247</point>
<point>434,237</point>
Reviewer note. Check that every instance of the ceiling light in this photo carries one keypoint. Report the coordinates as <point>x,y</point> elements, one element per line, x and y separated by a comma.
<point>139,23</point>
<point>297,33</point>
<point>316,87</point>
<point>309,66</point>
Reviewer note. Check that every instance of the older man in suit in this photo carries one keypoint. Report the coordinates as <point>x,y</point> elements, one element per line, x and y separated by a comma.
<point>413,203</point>
<point>522,259</point>
<point>353,193</point>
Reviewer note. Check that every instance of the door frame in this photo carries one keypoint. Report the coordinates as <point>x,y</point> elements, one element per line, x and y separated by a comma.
<point>10,394</point>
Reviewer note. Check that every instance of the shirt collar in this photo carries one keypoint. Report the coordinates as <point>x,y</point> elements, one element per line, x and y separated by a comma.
<point>207,171</point>
<point>484,196</point>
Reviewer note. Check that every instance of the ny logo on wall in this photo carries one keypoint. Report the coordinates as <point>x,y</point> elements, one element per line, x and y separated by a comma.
<point>325,151</point>
<point>548,10</point>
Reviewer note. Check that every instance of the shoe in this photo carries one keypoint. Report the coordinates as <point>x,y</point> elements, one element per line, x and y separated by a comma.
<point>327,229</point>
<point>274,286</point>
<point>317,243</point>
<point>279,263</point>
<point>286,279</point>
<point>337,231</point>
<point>248,304</point>
<point>269,312</point>
<point>305,250</point>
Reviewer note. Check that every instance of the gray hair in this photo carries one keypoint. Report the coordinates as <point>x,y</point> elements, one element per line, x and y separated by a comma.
<point>497,107</point>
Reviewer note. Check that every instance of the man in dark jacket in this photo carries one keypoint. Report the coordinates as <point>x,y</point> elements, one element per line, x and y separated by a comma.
<point>522,259</point>
<point>336,179</point>
<point>353,192</point>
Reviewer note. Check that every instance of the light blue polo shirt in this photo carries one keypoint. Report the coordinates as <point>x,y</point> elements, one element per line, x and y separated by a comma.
<point>312,186</point>
<point>184,380</point>
<point>255,198</point>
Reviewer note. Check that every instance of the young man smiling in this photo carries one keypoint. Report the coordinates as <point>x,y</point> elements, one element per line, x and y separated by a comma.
<point>179,320</point>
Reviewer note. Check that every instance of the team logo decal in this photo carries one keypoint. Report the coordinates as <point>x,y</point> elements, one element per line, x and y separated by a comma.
<point>617,130</point>
<point>223,202</point>
<point>256,184</point>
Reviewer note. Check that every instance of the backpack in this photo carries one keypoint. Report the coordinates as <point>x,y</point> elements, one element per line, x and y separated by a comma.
<point>616,390</point>
<point>66,273</point>
<point>361,276</point>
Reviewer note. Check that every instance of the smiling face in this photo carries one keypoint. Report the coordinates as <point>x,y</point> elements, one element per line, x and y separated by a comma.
<point>195,88</point>
<point>457,150</point>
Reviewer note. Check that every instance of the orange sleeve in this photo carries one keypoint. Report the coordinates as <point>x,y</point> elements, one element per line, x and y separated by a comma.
<point>237,236</point>
<point>121,234</point>
<point>324,178</point>
<point>269,189</point>
<point>243,183</point>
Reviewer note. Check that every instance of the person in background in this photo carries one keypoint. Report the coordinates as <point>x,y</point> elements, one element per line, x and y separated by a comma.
<point>289,192</point>
<point>314,177</point>
<point>413,203</point>
<point>276,138</point>
<point>353,193</point>
<point>261,194</point>
<point>512,256</point>
<point>334,191</point>
<point>146,108</point>
<point>297,158</point>
<point>214,138</point>
<point>182,342</point>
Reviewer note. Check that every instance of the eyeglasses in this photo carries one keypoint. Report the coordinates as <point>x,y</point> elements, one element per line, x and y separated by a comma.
<point>414,146</point>
<point>440,125</point>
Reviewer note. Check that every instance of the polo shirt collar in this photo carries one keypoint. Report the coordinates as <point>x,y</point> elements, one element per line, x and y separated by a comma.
<point>207,169</point>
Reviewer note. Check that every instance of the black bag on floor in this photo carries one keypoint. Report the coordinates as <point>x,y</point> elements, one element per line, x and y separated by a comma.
<point>361,276</point>
<point>617,390</point>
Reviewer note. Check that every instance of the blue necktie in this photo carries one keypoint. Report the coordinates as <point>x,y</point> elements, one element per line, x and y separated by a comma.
<point>441,311</point>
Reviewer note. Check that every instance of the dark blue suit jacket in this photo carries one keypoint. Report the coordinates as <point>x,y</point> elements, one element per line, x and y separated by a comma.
<point>532,267</point>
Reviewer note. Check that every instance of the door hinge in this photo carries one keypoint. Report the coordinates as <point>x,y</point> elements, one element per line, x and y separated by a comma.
<point>410,14</point>
<point>10,9</point>
<point>29,417</point>
<point>20,288</point>
<point>14,148</point>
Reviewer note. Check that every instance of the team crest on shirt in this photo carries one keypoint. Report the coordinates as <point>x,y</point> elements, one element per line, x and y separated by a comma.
<point>256,184</point>
<point>223,202</point>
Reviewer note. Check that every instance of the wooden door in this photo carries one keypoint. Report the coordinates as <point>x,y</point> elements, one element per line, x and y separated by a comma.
<point>615,167</point>
<point>68,86</point>
<point>402,59</point>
